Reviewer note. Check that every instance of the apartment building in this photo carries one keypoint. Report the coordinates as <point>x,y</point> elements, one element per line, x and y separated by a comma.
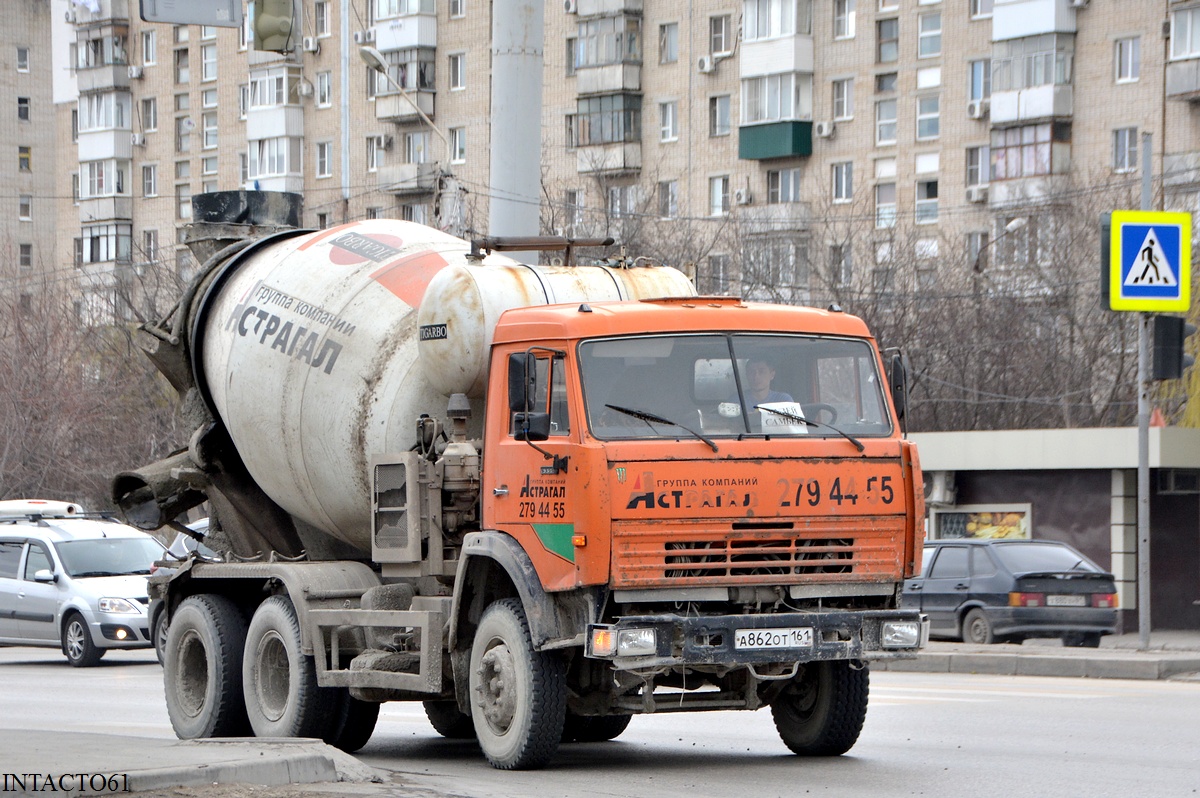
<point>793,149</point>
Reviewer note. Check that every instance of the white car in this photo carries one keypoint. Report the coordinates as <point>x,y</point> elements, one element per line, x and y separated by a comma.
<point>72,580</point>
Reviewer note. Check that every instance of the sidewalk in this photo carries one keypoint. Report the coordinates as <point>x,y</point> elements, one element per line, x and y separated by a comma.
<point>1170,655</point>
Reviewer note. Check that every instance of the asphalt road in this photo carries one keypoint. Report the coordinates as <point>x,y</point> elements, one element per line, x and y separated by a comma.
<point>926,734</point>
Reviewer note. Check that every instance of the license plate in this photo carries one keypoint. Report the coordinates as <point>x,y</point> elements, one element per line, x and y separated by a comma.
<point>793,637</point>
<point>1066,601</point>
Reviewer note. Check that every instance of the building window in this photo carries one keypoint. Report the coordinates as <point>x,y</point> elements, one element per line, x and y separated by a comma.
<point>843,19</point>
<point>104,178</point>
<point>275,87</point>
<point>840,268</point>
<point>929,123</point>
<point>22,59</point>
<point>927,201</point>
<point>981,9</point>
<point>885,83</point>
<point>25,159</point>
<point>209,122</point>
<point>208,166</point>
<point>609,40</point>
<point>322,221</point>
<point>208,62</point>
<point>208,98</point>
<point>183,170</point>
<point>276,156</point>
<point>183,201</point>
<point>321,17</point>
<point>1128,55</point>
<point>25,256</point>
<point>1185,33</point>
<point>458,71</point>
<point>668,199</point>
<point>977,246</point>
<point>929,35</point>
<point>324,89</point>
<point>720,35</point>
<point>606,119</point>
<point>458,9</point>
<point>718,115</point>
<point>783,185</point>
<point>885,122</point>
<point>573,206</point>
<point>885,205</point>
<point>668,121</point>
<point>1125,149</point>
<point>243,167</point>
<point>1032,61</point>
<point>416,147</point>
<point>103,243</point>
<point>718,275</point>
<point>768,19</point>
<point>75,124</point>
<point>887,40</point>
<point>1026,151</point>
<point>374,153</point>
<point>149,114</point>
<point>843,181</point>
<point>772,98</point>
<point>978,166</point>
<point>668,43</point>
<point>622,201</point>
<point>458,144</point>
<point>718,195</point>
<point>979,79</point>
<point>183,133</point>
<point>150,181</point>
<point>182,72</point>
<point>23,109</point>
<point>25,207</point>
<point>843,99</point>
<point>149,45</point>
<point>104,111</point>
<point>324,159</point>
<point>573,55</point>
<point>150,245</point>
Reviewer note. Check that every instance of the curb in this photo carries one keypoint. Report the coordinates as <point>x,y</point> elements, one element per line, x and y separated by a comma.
<point>1110,665</point>
<point>305,768</point>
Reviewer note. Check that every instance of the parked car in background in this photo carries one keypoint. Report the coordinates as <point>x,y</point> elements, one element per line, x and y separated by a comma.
<point>993,591</point>
<point>72,580</point>
<point>180,549</point>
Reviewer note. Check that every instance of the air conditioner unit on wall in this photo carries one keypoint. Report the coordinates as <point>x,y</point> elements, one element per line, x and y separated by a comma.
<point>705,64</point>
<point>305,89</point>
<point>823,130</point>
<point>383,142</point>
<point>135,72</point>
<point>571,6</point>
<point>310,44</point>
<point>742,196</point>
<point>940,487</point>
<point>977,193</point>
<point>70,17</point>
<point>977,109</point>
<point>137,139</point>
<point>1079,3</point>
<point>364,36</point>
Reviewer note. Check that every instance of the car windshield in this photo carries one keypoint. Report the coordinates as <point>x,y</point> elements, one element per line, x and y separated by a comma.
<point>736,384</point>
<point>109,556</point>
<point>1029,557</point>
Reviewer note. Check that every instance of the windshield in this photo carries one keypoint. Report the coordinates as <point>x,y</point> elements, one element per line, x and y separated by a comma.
<point>109,556</point>
<point>1023,558</point>
<point>736,384</point>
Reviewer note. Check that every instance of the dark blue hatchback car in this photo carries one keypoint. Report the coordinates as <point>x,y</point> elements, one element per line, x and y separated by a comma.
<point>1004,591</point>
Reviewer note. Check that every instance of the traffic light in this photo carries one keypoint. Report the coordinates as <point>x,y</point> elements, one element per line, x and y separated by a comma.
<point>1169,360</point>
<point>273,23</point>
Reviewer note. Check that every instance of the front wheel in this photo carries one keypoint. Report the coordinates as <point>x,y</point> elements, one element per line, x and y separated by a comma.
<point>978,629</point>
<point>449,721</point>
<point>821,712</point>
<point>81,650</point>
<point>518,695</point>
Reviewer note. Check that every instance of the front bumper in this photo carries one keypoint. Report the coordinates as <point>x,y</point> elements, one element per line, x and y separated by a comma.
<point>710,640</point>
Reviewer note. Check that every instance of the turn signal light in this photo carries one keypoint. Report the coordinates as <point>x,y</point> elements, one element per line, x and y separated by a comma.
<point>604,641</point>
<point>1026,599</point>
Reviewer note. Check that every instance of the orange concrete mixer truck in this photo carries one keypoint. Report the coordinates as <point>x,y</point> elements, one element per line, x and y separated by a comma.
<point>541,499</point>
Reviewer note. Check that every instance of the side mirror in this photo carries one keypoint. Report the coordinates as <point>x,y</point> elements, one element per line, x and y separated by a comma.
<point>522,381</point>
<point>898,383</point>
<point>531,426</point>
<point>45,576</point>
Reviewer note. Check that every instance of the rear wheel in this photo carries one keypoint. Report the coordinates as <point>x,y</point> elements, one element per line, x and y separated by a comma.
<point>81,650</point>
<point>518,695</point>
<point>821,712</point>
<point>584,729</point>
<point>279,682</point>
<point>202,668</point>
<point>1082,640</point>
<point>449,721</point>
<point>158,634</point>
<point>977,629</point>
<point>355,721</point>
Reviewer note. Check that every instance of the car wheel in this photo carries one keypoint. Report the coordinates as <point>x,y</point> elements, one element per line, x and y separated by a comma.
<point>586,729</point>
<point>1082,640</point>
<point>279,682</point>
<point>80,649</point>
<point>821,711</point>
<point>518,694</point>
<point>977,629</point>
<point>159,635</point>
<point>449,721</point>
<point>202,668</point>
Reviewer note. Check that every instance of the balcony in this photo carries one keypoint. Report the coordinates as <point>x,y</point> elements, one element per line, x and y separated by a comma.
<point>609,79</point>
<point>271,122</point>
<point>776,217</point>
<point>288,183</point>
<point>592,8</point>
<point>775,140</point>
<point>1026,190</point>
<point>103,145</point>
<point>1182,169</point>
<point>105,209</point>
<point>402,33</point>
<point>1032,104</point>
<point>1183,80</point>
<point>109,9</point>
<point>395,108</point>
<point>105,77</point>
<point>608,159</point>
<point>1015,19</point>
<point>408,178</point>
<point>772,56</point>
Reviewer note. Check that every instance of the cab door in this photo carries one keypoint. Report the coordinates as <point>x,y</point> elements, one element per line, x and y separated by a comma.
<point>531,480</point>
<point>947,585</point>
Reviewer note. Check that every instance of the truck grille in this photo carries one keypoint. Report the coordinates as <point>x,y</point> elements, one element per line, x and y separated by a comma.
<point>667,555</point>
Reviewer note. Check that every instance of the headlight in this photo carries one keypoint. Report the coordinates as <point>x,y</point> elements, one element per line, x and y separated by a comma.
<point>119,605</point>
<point>901,634</point>
<point>636,642</point>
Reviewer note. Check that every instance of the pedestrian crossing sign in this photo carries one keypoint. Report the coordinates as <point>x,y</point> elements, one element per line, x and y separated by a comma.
<point>1150,265</point>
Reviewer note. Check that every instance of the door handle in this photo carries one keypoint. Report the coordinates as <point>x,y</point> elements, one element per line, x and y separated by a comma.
<point>961,586</point>
<point>500,491</point>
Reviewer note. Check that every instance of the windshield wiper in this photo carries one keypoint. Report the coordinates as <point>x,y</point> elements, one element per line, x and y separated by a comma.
<point>793,417</point>
<point>97,573</point>
<point>651,418</point>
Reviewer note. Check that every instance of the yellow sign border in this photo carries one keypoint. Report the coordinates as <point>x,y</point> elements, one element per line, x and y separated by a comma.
<point>1175,219</point>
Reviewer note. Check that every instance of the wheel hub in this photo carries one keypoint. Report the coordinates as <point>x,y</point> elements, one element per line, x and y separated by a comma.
<point>273,676</point>
<point>75,633</point>
<point>497,678</point>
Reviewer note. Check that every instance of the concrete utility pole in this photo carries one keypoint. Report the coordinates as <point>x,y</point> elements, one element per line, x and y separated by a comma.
<point>1143,410</point>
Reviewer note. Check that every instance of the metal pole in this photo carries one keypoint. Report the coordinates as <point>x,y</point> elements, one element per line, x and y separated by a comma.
<point>1143,410</point>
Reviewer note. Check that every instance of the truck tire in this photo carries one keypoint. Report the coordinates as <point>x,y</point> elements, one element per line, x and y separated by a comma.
<point>202,669</point>
<point>158,633</point>
<point>585,729</point>
<point>449,721</point>
<point>821,712</point>
<point>279,682</point>
<point>355,721</point>
<point>518,695</point>
<point>977,629</point>
<point>81,651</point>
